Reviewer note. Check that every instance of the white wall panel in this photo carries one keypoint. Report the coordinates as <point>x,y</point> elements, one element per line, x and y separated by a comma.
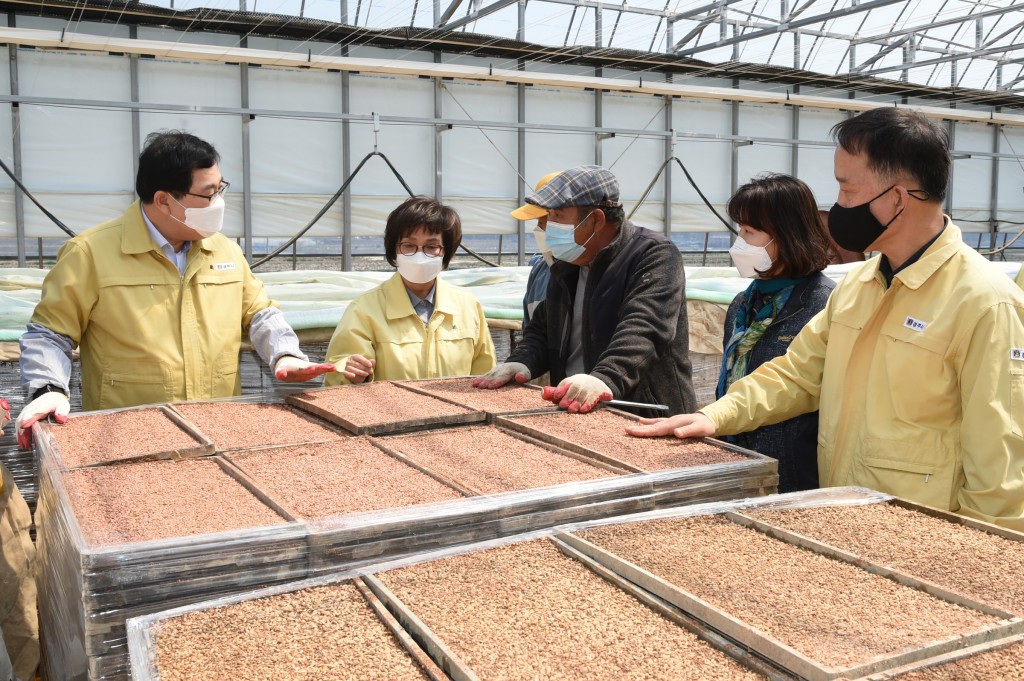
<point>409,147</point>
<point>764,121</point>
<point>1011,181</point>
<point>708,161</point>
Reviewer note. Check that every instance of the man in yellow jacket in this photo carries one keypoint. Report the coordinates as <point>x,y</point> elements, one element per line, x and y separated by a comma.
<point>156,299</point>
<point>916,364</point>
<point>19,626</point>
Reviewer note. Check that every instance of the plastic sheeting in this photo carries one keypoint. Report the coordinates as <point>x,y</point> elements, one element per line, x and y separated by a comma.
<point>87,591</point>
<point>316,299</point>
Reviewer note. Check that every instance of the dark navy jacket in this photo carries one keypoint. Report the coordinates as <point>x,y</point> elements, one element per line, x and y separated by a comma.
<point>635,333</point>
<point>794,442</point>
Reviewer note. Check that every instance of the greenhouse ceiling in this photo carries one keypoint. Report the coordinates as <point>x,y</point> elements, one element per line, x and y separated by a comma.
<point>969,51</point>
<point>936,43</point>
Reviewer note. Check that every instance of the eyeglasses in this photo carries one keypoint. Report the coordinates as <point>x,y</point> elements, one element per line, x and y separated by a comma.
<point>224,184</point>
<point>432,250</point>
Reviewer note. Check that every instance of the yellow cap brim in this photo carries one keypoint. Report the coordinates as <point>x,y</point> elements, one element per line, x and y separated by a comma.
<point>529,212</point>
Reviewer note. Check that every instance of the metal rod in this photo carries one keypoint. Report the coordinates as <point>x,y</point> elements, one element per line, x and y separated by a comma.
<point>626,403</point>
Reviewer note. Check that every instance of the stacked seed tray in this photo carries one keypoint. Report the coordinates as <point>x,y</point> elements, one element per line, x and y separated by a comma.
<point>529,607</point>
<point>395,496</point>
<point>782,587</point>
<point>515,481</point>
<point>137,518</point>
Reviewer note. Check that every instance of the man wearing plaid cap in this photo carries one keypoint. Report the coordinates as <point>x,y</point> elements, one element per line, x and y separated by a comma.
<point>614,321</point>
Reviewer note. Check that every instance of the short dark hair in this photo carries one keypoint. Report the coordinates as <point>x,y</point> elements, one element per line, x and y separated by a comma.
<point>167,161</point>
<point>784,207</point>
<point>613,214</point>
<point>899,142</point>
<point>422,212</point>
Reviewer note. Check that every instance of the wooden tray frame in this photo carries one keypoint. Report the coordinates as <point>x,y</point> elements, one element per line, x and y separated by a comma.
<point>782,654</point>
<point>461,671</point>
<point>43,433</point>
<point>415,386</point>
<point>467,489</point>
<point>304,415</point>
<point>510,423</point>
<point>471,415</point>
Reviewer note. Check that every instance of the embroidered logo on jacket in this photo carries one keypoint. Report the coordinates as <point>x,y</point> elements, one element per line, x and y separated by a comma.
<point>1017,354</point>
<point>223,266</point>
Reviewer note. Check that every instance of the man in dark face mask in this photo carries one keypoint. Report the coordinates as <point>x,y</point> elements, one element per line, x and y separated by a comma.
<point>916,364</point>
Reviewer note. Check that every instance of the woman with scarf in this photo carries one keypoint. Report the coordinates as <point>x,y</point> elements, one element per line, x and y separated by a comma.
<point>783,246</point>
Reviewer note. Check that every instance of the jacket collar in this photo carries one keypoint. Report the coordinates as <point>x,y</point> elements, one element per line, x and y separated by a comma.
<point>941,250</point>
<point>396,298</point>
<point>135,236</point>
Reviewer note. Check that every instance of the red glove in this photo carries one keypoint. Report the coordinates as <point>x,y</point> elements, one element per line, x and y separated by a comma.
<point>5,414</point>
<point>295,370</point>
<point>579,393</point>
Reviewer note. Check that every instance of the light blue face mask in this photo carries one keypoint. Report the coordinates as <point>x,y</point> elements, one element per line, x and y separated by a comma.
<point>562,240</point>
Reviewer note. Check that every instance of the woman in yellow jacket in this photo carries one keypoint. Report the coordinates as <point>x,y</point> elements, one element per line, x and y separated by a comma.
<point>414,325</point>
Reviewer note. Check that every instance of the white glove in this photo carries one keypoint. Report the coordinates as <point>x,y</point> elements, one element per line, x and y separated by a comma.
<point>502,374</point>
<point>38,409</point>
<point>580,393</point>
<point>295,370</point>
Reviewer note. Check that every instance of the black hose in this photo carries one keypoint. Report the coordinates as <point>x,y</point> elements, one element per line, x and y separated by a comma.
<point>54,218</point>
<point>327,206</point>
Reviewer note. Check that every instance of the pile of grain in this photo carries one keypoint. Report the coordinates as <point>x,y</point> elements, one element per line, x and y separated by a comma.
<point>507,399</point>
<point>490,460</point>
<point>1003,664</point>
<point>983,566</point>
<point>321,633</point>
<point>604,432</point>
<point>101,438</point>
<point>374,404</point>
<point>529,612</point>
<point>830,611</point>
<point>334,478</point>
<point>156,500</point>
<point>238,425</point>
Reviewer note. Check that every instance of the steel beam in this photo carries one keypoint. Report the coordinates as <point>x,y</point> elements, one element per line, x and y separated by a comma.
<point>473,16</point>
<point>807,21</point>
<point>19,198</point>
<point>975,54</point>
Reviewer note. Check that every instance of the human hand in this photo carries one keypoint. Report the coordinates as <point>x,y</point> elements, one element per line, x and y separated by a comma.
<point>38,409</point>
<point>579,393</point>
<point>502,374</point>
<point>294,370</point>
<point>358,368</point>
<point>5,414</point>
<point>680,425</point>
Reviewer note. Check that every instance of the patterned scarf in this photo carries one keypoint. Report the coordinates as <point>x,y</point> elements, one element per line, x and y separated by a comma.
<point>750,325</point>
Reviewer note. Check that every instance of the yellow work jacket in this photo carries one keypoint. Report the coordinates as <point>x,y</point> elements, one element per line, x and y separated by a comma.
<point>147,333</point>
<point>1020,276</point>
<point>381,324</point>
<point>919,386</point>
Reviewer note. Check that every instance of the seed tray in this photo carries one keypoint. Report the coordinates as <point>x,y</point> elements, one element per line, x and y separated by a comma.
<point>972,557</point>
<point>623,450</point>
<point>304,483</point>
<point>167,436</point>
<point>87,591</point>
<point>512,398</point>
<point>347,605</point>
<point>489,459</point>
<point>366,537</point>
<point>993,623</point>
<point>539,609</point>
<point>382,407</point>
<point>256,424</point>
<point>995,660</point>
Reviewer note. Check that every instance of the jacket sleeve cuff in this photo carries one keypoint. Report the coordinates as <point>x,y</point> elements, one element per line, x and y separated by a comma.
<point>721,413</point>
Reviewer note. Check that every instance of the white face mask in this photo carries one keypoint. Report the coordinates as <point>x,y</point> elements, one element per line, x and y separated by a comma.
<point>750,260</point>
<point>542,245</point>
<point>420,268</point>
<point>204,221</point>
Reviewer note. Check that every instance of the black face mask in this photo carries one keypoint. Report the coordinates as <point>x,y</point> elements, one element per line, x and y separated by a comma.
<point>855,228</point>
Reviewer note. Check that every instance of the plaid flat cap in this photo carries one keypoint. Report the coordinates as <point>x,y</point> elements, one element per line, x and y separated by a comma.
<point>579,186</point>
